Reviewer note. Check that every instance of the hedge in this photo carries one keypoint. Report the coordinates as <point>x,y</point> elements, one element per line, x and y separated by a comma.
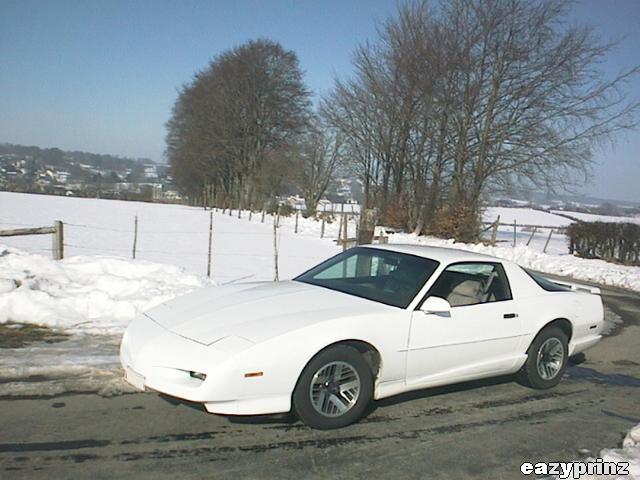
<point>613,242</point>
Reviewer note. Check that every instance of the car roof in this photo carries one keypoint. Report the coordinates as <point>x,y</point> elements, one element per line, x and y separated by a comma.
<point>441,254</point>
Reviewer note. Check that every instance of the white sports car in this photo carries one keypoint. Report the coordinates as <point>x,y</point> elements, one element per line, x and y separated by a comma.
<point>371,322</point>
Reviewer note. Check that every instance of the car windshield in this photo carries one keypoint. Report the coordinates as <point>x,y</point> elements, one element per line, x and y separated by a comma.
<point>383,276</point>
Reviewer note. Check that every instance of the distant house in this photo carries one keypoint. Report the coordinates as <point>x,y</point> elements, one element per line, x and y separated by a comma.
<point>124,187</point>
<point>62,177</point>
<point>150,171</point>
<point>10,171</point>
<point>42,181</point>
<point>172,195</point>
<point>335,198</point>
<point>296,202</point>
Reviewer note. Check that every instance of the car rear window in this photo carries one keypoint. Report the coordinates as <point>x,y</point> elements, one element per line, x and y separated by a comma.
<point>545,283</point>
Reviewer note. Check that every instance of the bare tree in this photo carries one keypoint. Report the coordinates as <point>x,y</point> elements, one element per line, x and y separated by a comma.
<point>478,96</point>
<point>321,151</point>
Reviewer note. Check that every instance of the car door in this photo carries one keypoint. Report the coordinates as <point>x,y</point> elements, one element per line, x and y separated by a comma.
<point>479,335</point>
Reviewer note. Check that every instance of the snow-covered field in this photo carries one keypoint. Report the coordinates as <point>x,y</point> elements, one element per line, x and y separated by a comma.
<point>590,217</point>
<point>525,216</point>
<point>174,234</point>
<point>553,218</point>
<point>97,288</point>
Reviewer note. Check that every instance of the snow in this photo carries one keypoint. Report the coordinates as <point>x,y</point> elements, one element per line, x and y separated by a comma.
<point>97,289</point>
<point>552,218</point>
<point>174,234</point>
<point>82,363</point>
<point>91,297</point>
<point>590,217</point>
<point>629,453</point>
<point>525,216</point>
<point>596,271</point>
<point>97,295</point>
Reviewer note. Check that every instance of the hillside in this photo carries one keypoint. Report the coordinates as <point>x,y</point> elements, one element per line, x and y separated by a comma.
<point>54,171</point>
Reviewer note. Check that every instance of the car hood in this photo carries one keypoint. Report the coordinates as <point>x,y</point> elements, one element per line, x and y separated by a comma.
<point>256,311</point>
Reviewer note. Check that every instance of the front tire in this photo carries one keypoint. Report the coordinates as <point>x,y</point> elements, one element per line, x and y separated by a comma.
<point>334,388</point>
<point>546,359</point>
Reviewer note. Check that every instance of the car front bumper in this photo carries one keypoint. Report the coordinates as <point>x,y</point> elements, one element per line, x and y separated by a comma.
<point>154,358</point>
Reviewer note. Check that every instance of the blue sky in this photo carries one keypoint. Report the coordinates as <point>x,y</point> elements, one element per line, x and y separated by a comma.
<point>102,76</point>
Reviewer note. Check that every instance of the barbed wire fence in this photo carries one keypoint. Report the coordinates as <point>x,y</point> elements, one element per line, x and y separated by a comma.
<point>346,221</point>
<point>138,233</point>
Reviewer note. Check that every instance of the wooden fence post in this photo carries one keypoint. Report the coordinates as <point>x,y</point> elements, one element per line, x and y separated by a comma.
<point>250,213</point>
<point>58,240</point>
<point>296,229</point>
<point>135,236</point>
<point>532,234</point>
<point>544,250</point>
<point>322,228</point>
<point>210,238</point>
<point>345,231</point>
<point>262,221</point>
<point>515,225</point>
<point>275,246</point>
<point>366,226</point>
<point>494,232</point>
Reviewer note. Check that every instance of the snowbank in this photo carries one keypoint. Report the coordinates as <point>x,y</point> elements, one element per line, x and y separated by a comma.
<point>597,271</point>
<point>97,295</point>
<point>630,452</point>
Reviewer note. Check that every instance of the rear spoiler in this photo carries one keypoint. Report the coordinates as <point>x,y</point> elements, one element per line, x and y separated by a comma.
<point>578,287</point>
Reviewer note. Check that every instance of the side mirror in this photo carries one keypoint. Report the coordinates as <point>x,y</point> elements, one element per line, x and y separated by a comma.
<point>436,305</point>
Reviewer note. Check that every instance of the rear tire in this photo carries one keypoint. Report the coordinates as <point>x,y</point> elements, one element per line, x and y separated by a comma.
<point>334,389</point>
<point>546,360</point>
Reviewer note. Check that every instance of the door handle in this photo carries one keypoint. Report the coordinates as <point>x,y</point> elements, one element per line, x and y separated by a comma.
<point>510,315</point>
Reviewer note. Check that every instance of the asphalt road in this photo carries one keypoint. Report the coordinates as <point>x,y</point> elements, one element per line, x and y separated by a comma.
<point>473,430</point>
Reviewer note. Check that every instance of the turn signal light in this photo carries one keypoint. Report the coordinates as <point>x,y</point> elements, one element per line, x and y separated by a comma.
<point>253,374</point>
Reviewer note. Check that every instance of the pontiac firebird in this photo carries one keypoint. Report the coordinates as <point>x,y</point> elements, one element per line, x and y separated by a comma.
<point>369,323</point>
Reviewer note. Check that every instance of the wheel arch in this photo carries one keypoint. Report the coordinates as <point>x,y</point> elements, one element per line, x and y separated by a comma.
<point>563,324</point>
<point>370,353</point>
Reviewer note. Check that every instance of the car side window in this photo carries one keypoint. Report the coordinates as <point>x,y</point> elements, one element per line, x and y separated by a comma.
<point>471,284</point>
